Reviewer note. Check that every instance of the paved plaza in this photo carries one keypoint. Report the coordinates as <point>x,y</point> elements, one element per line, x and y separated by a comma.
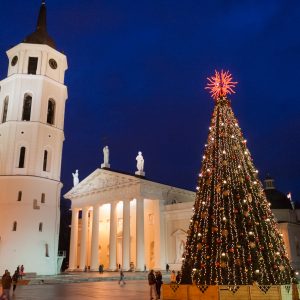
<point>110,290</point>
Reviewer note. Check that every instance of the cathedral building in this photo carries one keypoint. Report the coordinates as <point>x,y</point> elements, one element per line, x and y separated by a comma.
<point>125,219</point>
<point>32,108</point>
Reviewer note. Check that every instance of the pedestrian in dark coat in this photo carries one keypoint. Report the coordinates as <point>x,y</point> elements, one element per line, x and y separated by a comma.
<point>159,282</point>
<point>167,268</point>
<point>15,278</point>
<point>122,277</point>
<point>152,284</point>
<point>6,284</point>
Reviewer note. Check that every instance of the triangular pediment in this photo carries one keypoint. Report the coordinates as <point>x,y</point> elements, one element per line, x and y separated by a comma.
<point>101,180</point>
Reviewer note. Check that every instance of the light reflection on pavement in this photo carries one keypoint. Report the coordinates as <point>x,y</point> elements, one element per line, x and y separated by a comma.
<point>110,290</point>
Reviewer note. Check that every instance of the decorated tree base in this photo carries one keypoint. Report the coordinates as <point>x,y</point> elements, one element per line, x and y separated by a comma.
<point>224,292</point>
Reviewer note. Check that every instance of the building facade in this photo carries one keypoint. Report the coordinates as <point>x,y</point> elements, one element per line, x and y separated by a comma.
<point>32,107</point>
<point>125,219</point>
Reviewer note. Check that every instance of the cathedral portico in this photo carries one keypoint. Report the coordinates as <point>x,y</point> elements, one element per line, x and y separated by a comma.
<point>123,215</point>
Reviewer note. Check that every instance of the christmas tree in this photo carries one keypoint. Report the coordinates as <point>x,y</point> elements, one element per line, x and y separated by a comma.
<point>233,237</point>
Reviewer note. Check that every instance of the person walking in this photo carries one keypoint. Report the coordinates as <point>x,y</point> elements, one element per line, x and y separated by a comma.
<point>167,268</point>
<point>6,285</point>
<point>15,278</point>
<point>122,277</point>
<point>152,284</point>
<point>22,271</point>
<point>159,282</point>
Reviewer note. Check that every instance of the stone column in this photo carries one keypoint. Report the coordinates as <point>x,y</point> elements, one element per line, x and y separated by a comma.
<point>84,233</point>
<point>140,241</point>
<point>126,236</point>
<point>95,239</point>
<point>74,240</point>
<point>113,237</point>
<point>159,236</point>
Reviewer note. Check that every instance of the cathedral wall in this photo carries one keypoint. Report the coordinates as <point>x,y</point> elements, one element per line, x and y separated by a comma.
<point>177,220</point>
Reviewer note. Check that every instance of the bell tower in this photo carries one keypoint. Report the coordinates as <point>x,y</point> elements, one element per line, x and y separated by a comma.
<point>32,107</point>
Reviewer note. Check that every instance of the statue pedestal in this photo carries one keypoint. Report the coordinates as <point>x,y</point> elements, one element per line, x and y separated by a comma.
<point>107,166</point>
<point>140,173</point>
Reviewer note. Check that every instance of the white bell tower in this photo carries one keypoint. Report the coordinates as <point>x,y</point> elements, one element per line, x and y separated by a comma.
<point>32,107</point>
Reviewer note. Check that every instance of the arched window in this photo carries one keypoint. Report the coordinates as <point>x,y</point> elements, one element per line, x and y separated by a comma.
<point>51,111</point>
<point>15,226</point>
<point>5,108</point>
<point>45,160</point>
<point>22,157</point>
<point>26,107</point>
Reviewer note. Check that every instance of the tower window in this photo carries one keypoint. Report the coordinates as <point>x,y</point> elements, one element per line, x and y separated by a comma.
<point>15,226</point>
<point>26,107</point>
<point>40,227</point>
<point>19,195</point>
<point>43,198</point>
<point>45,160</point>
<point>5,108</point>
<point>22,157</point>
<point>47,250</point>
<point>51,111</point>
<point>32,65</point>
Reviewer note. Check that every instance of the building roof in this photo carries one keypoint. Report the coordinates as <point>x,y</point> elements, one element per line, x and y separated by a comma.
<point>277,199</point>
<point>40,35</point>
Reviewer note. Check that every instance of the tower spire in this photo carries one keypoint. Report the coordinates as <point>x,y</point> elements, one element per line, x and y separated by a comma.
<point>42,18</point>
<point>40,35</point>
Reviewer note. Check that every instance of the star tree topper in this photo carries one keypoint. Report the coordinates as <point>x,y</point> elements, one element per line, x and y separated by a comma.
<point>220,84</point>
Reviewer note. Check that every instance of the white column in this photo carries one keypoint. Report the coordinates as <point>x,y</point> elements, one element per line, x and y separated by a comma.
<point>159,236</point>
<point>126,236</point>
<point>140,240</point>
<point>83,242</point>
<point>95,239</point>
<point>73,240</point>
<point>113,237</point>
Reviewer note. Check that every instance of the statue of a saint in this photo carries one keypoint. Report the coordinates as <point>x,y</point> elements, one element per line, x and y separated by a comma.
<point>106,155</point>
<point>105,158</point>
<point>75,178</point>
<point>140,162</point>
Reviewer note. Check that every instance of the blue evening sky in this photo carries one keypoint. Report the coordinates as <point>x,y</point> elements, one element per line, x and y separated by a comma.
<point>136,77</point>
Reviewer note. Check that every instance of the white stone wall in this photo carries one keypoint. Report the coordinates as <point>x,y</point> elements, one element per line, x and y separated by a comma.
<point>27,245</point>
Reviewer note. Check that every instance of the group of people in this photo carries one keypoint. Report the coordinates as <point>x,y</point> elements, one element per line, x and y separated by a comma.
<point>155,282</point>
<point>175,278</point>
<point>8,281</point>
